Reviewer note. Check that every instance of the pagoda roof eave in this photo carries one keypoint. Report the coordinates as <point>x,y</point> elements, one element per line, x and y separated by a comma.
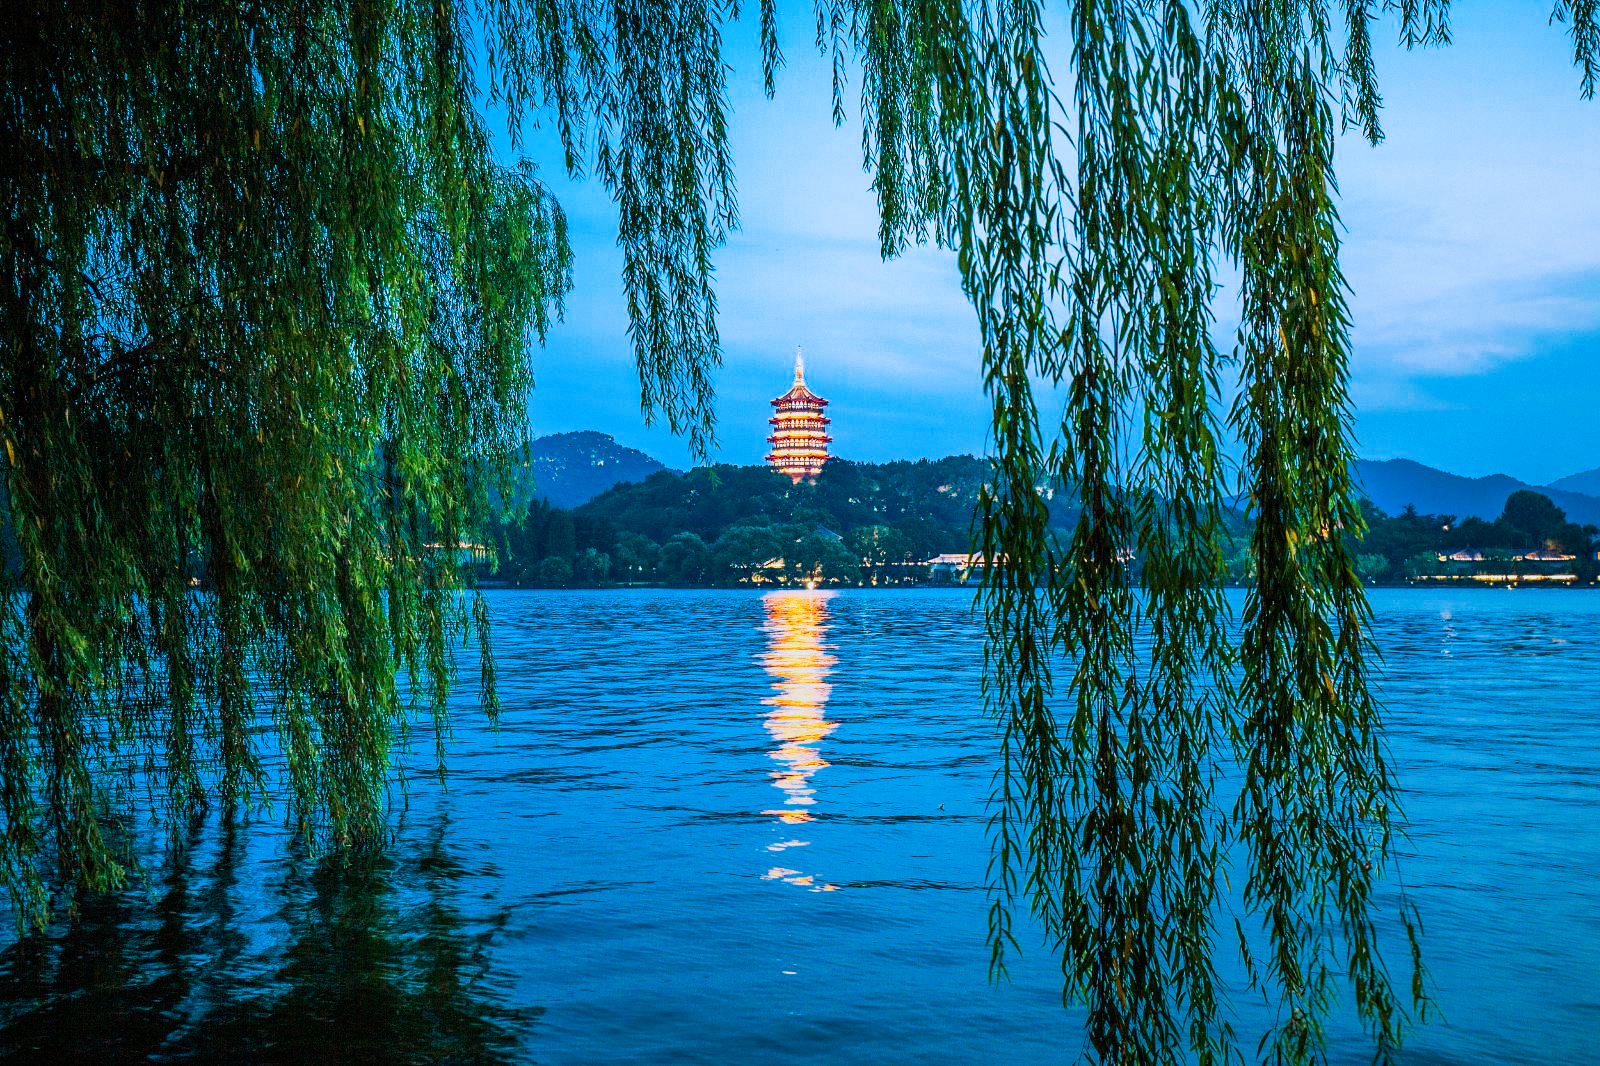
<point>800,392</point>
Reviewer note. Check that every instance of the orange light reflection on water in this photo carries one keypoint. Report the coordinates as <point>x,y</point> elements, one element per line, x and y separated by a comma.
<point>797,659</point>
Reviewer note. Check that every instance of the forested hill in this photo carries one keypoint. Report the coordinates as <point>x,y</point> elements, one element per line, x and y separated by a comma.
<point>877,522</point>
<point>570,468</point>
<point>926,506</point>
<point>720,525</point>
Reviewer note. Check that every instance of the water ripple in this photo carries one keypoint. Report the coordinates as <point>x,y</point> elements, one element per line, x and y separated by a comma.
<point>721,827</point>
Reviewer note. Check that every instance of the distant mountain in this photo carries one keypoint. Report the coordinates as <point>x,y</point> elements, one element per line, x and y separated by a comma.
<point>1587,482</point>
<point>1396,482</point>
<point>570,469</point>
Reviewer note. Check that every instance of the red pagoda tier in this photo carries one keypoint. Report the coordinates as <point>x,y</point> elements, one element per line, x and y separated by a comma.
<point>799,429</point>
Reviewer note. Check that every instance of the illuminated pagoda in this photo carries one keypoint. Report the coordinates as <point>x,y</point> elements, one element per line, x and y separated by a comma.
<point>799,429</point>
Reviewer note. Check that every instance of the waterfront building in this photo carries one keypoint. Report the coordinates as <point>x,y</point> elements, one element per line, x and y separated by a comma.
<point>1502,567</point>
<point>799,429</point>
<point>955,568</point>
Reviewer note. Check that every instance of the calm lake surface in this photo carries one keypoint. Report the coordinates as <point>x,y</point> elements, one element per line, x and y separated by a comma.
<point>722,827</point>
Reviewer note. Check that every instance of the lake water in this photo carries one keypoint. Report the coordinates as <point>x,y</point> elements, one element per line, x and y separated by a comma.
<point>721,827</point>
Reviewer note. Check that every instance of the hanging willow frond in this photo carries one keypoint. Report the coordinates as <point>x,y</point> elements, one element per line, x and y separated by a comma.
<point>1150,742</point>
<point>266,307</point>
<point>638,90</point>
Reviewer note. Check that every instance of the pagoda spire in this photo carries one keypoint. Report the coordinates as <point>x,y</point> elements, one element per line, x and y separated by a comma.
<point>799,365</point>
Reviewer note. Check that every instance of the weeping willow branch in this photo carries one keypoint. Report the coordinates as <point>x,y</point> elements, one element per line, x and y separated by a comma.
<point>207,366</point>
<point>1151,743</point>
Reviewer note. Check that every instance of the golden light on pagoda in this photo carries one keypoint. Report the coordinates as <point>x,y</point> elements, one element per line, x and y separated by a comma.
<point>799,438</point>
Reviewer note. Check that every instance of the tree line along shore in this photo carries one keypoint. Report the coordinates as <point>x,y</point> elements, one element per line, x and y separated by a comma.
<point>875,524</point>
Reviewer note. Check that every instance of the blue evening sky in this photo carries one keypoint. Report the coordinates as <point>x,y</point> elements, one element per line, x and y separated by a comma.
<point>1472,249</point>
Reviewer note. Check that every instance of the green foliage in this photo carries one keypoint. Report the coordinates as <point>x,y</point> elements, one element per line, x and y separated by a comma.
<point>540,532</point>
<point>816,556</point>
<point>265,304</point>
<point>634,559</point>
<point>883,545</point>
<point>640,95</point>
<point>1197,134</point>
<point>684,560</point>
<point>892,515</point>
<point>552,572</point>
<point>1094,272</point>
<point>927,504</point>
<point>704,501</point>
<point>1398,540</point>
<point>592,566</point>
<point>743,551</point>
<point>754,549</point>
<point>1404,547</point>
<point>1534,514</point>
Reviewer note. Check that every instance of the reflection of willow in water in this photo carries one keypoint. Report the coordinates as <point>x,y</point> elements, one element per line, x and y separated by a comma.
<point>366,960</point>
<point>799,663</point>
